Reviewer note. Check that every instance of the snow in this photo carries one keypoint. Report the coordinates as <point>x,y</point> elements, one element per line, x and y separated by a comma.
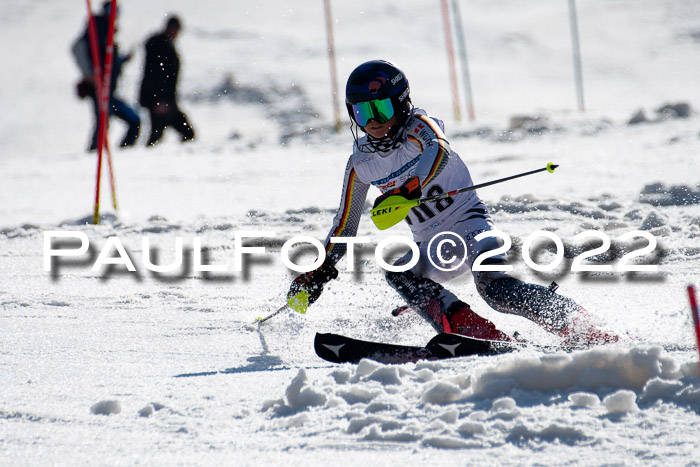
<point>118,367</point>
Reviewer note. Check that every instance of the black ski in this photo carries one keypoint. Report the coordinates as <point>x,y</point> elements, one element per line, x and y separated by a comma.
<point>341,349</point>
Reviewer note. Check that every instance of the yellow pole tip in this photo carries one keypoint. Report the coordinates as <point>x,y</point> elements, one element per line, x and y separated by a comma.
<point>551,166</point>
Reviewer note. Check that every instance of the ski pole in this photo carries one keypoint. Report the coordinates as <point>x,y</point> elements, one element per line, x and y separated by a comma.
<point>394,209</point>
<point>261,320</point>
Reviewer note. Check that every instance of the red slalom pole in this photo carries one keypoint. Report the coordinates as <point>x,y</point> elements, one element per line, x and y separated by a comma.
<point>97,67</point>
<point>97,78</point>
<point>111,174</point>
<point>110,56</point>
<point>696,317</point>
<point>103,97</point>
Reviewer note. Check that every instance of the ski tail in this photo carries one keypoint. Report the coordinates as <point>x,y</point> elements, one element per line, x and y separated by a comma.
<point>446,345</point>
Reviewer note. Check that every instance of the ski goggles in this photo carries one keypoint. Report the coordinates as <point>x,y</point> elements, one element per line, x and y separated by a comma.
<point>380,110</point>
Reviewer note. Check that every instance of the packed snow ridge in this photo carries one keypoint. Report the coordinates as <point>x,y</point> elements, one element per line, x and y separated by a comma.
<point>474,403</point>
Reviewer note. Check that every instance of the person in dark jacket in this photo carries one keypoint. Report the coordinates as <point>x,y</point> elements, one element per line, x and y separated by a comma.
<point>86,88</point>
<point>159,86</point>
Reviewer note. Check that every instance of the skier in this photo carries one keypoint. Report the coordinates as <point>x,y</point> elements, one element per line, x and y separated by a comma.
<point>405,152</point>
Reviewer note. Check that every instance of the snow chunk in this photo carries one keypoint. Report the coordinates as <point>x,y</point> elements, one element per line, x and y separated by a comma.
<point>463,380</point>
<point>441,394</point>
<point>690,370</point>
<point>293,422</point>
<point>424,375</point>
<point>386,375</point>
<point>375,407</point>
<point>334,402</point>
<point>591,370</point>
<point>358,424</point>
<point>468,429</point>
<point>505,408</point>
<point>450,416</point>
<point>364,368</point>
<point>564,434</point>
<point>297,396</point>
<point>294,388</point>
<point>584,399</point>
<point>357,395</point>
<point>435,425</point>
<point>504,403</point>
<point>146,411</point>
<point>301,399</point>
<point>652,221</point>
<point>405,436</point>
<point>622,401</point>
<point>150,409</point>
<point>106,408</point>
<point>310,398</point>
<point>444,442</point>
<point>341,376</point>
<point>658,388</point>
<point>689,396</point>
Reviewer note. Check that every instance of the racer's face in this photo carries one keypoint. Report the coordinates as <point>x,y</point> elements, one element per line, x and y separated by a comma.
<point>379,130</point>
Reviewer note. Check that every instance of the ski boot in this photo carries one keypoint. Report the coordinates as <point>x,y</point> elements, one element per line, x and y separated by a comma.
<point>464,321</point>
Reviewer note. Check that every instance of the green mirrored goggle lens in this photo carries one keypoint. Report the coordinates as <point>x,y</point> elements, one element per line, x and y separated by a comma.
<point>380,110</point>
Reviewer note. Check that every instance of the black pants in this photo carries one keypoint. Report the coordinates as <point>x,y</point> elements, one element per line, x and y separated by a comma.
<point>501,292</point>
<point>173,117</point>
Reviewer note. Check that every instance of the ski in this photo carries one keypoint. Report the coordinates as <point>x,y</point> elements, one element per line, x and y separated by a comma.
<point>341,349</point>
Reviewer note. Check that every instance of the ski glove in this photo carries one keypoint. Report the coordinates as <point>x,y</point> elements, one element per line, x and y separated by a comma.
<point>409,190</point>
<point>307,287</point>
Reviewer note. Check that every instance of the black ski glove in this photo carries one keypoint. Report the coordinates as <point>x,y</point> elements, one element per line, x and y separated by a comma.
<point>409,190</point>
<point>311,283</point>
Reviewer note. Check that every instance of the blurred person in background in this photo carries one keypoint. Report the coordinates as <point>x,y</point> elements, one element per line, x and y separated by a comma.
<point>159,85</point>
<point>86,87</point>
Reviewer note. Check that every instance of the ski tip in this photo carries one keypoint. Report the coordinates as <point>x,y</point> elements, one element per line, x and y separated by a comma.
<point>551,166</point>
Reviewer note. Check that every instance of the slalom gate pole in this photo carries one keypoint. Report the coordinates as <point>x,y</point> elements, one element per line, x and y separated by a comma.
<point>97,78</point>
<point>450,57</point>
<point>696,318</point>
<point>331,59</point>
<point>464,64</point>
<point>97,67</point>
<point>576,50</point>
<point>103,104</point>
<point>111,174</point>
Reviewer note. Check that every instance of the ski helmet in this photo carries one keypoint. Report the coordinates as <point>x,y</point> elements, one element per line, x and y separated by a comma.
<point>377,90</point>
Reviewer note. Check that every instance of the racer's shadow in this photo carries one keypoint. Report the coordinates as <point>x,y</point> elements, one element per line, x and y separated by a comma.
<point>262,362</point>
